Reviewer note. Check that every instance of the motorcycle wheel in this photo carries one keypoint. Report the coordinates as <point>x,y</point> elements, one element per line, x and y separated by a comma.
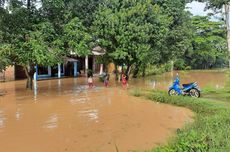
<point>194,93</point>
<point>172,92</point>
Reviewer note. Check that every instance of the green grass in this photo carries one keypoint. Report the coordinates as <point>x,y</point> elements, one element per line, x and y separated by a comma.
<point>136,92</point>
<point>222,94</point>
<point>210,130</point>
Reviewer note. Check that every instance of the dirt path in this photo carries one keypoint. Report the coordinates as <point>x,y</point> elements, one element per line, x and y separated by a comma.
<point>64,115</point>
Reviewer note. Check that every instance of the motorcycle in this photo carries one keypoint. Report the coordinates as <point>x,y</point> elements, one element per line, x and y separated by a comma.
<point>191,89</point>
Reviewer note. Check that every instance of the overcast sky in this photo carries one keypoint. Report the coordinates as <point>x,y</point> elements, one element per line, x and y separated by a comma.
<point>197,8</point>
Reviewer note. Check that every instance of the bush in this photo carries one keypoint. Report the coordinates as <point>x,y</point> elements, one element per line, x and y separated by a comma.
<point>136,92</point>
<point>179,64</point>
<point>154,70</point>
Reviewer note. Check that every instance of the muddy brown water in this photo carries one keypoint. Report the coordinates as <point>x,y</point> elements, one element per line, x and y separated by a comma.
<point>210,78</point>
<point>65,115</point>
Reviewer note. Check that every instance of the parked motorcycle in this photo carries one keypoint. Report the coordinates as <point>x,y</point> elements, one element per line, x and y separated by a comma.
<point>191,89</point>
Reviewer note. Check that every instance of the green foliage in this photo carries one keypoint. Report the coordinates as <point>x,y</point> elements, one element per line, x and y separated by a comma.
<point>84,10</point>
<point>77,38</point>
<point>209,43</point>
<point>209,46</point>
<point>126,29</point>
<point>140,33</point>
<point>156,69</point>
<point>40,36</point>
<point>178,39</point>
<point>179,64</point>
<point>135,33</point>
<point>216,4</point>
<point>4,61</point>
<point>136,92</point>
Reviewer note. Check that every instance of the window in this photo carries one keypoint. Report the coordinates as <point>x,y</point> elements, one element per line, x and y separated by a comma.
<point>42,70</point>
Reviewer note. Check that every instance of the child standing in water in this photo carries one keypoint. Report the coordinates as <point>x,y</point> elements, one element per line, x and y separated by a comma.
<point>124,81</point>
<point>106,80</point>
<point>90,81</point>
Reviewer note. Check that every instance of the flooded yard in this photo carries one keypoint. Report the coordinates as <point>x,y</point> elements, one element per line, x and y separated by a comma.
<point>208,78</point>
<point>65,115</point>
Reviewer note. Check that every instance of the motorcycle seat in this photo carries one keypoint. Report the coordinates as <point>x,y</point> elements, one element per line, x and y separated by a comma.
<point>186,85</point>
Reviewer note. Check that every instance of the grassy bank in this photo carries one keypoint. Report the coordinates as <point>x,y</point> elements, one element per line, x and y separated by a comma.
<point>222,94</point>
<point>209,132</point>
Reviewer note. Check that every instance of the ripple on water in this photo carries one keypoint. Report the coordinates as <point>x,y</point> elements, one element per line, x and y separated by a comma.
<point>18,114</point>
<point>79,100</point>
<point>91,114</point>
<point>52,122</point>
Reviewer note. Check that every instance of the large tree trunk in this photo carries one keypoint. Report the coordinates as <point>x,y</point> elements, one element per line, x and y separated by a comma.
<point>136,71</point>
<point>29,74</point>
<point>127,72</point>
<point>116,72</point>
<point>144,70</point>
<point>226,13</point>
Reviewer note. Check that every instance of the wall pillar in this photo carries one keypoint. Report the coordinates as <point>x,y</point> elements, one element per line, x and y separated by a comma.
<point>101,69</point>
<point>86,64</point>
<point>59,70</point>
<point>75,69</point>
<point>49,70</point>
<point>36,73</point>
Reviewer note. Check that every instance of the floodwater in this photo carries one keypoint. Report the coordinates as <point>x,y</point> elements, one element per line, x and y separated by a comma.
<point>210,78</point>
<point>65,115</point>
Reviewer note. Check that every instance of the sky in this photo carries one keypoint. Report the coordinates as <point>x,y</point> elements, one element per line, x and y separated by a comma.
<point>197,8</point>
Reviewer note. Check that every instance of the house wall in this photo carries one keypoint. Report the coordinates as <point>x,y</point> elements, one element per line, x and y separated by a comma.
<point>8,74</point>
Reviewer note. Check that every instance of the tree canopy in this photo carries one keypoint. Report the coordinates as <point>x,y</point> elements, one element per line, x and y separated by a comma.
<point>135,33</point>
<point>209,45</point>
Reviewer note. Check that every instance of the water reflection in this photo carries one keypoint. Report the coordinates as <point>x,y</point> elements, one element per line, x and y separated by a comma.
<point>79,100</point>
<point>52,122</point>
<point>35,90</point>
<point>2,118</point>
<point>91,114</point>
<point>18,114</point>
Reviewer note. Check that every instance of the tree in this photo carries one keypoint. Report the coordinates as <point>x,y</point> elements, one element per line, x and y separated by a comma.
<point>218,6</point>
<point>4,62</point>
<point>27,39</point>
<point>32,35</point>
<point>76,38</point>
<point>130,31</point>
<point>209,45</point>
<point>178,40</point>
